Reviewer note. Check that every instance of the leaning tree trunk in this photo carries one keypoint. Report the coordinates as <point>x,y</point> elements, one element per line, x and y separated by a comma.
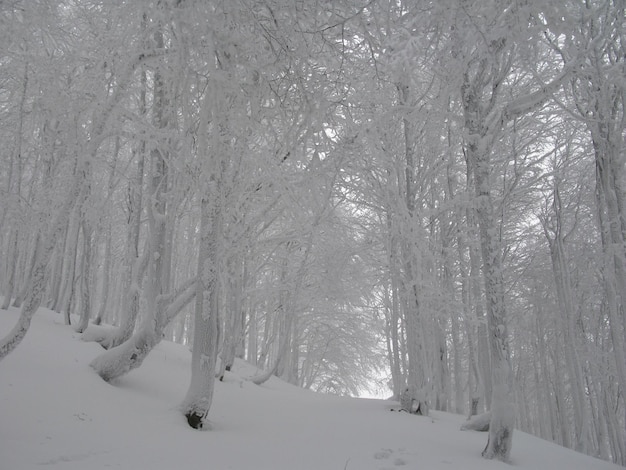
<point>130,354</point>
<point>282,324</point>
<point>37,281</point>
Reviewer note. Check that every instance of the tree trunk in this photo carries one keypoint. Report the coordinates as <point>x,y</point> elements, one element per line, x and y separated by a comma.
<point>28,271</point>
<point>85,278</point>
<point>478,149</point>
<point>398,380</point>
<point>69,273</point>
<point>130,354</point>
<point>565,296</point>
<point>37,281</point>
<point>11,266</point>
<point>199,396</point>
<point>609,173</point>
<point>56,274</point>
<point>135,265</point>
<point>106,279</point>
<point>502,398</point>
<point>419,368</point>
<point>234,329</point>
<point>14,185</point>
<point>253,348</point>
<point>106,233</point>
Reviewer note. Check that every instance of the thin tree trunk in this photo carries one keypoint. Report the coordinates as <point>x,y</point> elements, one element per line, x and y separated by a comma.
<point>565,296</point>
<point>136,265</point>
<point>234,329</point>
<point>12,249</point>
<point>105,300</point>
<point>37,281</point>
<point>69,273</point>
<point>14,190</point>
<point>85,285</point>
<point>55,295</point>
<point>398,379</point>
<point>28,271</point>
<point>614,264</point>
<point>130,354</point>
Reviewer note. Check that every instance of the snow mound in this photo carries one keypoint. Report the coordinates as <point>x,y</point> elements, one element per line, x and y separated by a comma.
<point>57,413</point>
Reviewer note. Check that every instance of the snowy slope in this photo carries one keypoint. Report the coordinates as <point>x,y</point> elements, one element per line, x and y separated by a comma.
<point>56,413</point>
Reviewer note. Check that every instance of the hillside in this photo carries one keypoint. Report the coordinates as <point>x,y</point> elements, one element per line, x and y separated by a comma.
<point>56,413</point>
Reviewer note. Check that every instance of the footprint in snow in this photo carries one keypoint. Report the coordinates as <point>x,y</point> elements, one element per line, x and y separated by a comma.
<point>383,454</point>
<point>395,456</point>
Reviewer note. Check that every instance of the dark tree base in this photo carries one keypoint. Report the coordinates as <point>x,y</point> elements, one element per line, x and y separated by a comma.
<point>194,420</point>
<point>501,448</point>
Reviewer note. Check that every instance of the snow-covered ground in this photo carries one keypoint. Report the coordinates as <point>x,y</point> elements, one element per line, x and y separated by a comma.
<point>56,413</point>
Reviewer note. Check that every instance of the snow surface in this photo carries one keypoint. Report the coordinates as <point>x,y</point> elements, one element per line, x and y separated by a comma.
<point>56,413</point>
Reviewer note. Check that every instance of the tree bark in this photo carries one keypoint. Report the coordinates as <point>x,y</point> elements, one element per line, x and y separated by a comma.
<point>478,148</point>
<point>565,296</point>
<point>502,399</point>
<point>37,281</point>
<point>199,396</point>
<point>14,185</point>
<point>85,279</point>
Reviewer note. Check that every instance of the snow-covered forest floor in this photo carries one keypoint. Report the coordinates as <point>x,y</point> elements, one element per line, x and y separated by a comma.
<point>55,412</point>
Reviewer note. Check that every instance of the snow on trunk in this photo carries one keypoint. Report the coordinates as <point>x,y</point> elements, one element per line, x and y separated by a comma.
<point>129,355</point>
<point>85,279</point>
<point>199,396</point>
<point>213,150</point>
<point>502,395</point>
<point>37,281</point>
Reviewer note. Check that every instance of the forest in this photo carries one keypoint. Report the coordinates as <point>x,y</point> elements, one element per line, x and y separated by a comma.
<point>422,197</point>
